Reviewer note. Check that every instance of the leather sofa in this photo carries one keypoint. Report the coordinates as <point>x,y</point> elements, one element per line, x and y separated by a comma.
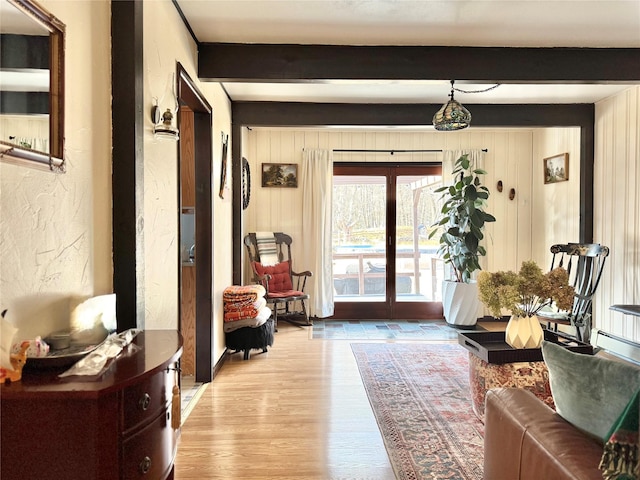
<point>527,440</point>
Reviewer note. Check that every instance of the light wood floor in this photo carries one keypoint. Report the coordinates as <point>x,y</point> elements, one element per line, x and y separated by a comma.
<point>298,412</point>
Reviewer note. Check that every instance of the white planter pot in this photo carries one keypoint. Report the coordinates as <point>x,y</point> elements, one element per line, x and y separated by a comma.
<point>524,332</point>
<point>460,303</point>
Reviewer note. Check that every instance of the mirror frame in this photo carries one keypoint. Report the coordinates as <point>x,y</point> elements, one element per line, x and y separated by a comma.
<point>54,160</point>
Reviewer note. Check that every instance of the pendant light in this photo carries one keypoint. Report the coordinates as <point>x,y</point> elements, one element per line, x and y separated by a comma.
<point>452,115</point>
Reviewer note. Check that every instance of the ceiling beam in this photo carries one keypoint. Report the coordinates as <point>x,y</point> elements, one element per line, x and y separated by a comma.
<point>281,114</point>
<point>299,114</point>
<point>234,62</point>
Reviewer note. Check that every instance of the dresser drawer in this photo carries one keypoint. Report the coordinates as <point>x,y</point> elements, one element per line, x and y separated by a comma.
<point>143,401</point>
<point>149,453</point>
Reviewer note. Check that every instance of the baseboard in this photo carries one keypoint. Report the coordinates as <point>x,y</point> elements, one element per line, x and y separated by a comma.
<point>220,362</point>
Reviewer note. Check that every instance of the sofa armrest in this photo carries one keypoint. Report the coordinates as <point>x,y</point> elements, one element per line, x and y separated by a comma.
<point>526,440</point>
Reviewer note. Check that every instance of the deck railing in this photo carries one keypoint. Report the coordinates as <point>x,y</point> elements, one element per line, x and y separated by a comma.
<point>367,272</point>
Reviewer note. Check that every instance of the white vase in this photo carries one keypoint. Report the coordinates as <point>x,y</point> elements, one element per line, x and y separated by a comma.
<point>524,332</point>
<point>460,303</point>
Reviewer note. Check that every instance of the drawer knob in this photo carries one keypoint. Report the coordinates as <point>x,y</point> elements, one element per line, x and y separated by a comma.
<point>145,465</point>
<point>144,401</point>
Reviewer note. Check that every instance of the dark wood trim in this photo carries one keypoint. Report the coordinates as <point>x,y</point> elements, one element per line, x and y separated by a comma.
<point>587,165</point>
<point>185,22</point>
<point>390,308</point>
<point>221,361</point>
<point>204,247</point>
<point>236,180</point>
<point>299,114</point>
<point>128,162</point>
<point>277,114</point>
<point>300,63</point>
<point>188,94</point>
<point>297,63</point>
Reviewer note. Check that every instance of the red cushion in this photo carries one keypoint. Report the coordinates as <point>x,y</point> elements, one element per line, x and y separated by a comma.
<point>280,278</point>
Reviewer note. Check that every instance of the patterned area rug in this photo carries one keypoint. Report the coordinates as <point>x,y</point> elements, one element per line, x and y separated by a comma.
<point>421,399</point>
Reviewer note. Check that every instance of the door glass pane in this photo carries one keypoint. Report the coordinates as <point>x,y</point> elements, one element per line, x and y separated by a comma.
<point>359,254</point>
<point>419,271</point>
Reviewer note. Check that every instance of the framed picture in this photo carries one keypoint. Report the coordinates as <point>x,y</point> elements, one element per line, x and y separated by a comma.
<point>283,175</point>
<point>556,168</point>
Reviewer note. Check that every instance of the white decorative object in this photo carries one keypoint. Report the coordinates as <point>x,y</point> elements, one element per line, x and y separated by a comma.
<point>92,320</point>
<point>460,303</point>
<point>524,332</point>
<point>7,333</point>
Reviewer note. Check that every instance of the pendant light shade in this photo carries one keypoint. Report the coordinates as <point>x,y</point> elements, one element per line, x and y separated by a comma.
<point>452,115</point>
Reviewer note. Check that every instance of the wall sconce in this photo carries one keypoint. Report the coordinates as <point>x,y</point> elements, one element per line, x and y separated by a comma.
<point>163,124</point>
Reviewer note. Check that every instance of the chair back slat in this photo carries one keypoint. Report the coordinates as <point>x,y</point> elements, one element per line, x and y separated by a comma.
<point>283,246</point>
<point>283,251</point>
<point>585,264</point>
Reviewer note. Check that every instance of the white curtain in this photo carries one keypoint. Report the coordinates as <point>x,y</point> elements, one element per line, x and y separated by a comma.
<point>449,158</point>
<point>317,193</point>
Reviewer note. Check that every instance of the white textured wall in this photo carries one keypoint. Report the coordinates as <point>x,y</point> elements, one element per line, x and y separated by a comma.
<point>56,228</point>
<point>511,157</point>
<point>617,209</point>
<point>166,42</point>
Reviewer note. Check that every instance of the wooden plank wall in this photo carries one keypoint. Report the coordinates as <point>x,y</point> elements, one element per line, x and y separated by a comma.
<point>617,209</point>
<point>510,158</point>
<point>556,205</point>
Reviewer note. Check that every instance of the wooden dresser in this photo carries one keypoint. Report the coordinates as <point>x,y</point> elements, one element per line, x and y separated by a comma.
<point>117,425</point>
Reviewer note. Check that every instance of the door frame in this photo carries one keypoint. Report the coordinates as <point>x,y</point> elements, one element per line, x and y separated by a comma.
<point>189,95</point>
<point>390,308</point>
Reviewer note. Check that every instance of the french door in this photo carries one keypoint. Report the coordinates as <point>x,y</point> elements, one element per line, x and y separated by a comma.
<point>384,265</point>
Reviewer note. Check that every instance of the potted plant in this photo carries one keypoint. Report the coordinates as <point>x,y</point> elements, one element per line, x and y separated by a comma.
<point>524,294</point>
<point>461,225</point>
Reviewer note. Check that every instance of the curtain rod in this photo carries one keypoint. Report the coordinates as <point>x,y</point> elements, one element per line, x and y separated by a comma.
<point>392,152</point>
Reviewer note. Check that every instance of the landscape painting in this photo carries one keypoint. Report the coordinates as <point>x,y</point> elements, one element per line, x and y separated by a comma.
<point>280,175</point>
<point>556,168</point>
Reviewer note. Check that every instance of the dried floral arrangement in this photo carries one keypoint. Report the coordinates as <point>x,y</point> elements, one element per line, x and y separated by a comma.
<point>526,292</point>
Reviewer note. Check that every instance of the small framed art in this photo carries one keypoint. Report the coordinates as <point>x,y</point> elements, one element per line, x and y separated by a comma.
<point>283,175</point>
<point>556,168</point>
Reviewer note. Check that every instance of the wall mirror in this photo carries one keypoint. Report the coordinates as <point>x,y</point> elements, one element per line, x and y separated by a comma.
<point>31,86</point>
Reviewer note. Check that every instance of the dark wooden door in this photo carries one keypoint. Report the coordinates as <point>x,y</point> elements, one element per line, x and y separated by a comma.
<point>385,267</point>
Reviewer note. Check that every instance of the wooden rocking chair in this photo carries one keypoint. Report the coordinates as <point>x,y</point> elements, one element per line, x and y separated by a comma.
<point>285,288</point>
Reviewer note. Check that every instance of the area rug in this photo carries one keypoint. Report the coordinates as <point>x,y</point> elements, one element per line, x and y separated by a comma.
<point>421,400</point>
